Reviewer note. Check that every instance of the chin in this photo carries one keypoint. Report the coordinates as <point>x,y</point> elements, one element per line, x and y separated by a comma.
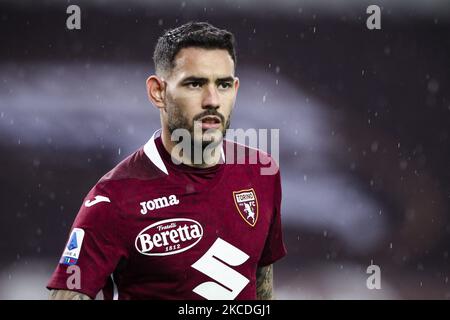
<point>213,135</point>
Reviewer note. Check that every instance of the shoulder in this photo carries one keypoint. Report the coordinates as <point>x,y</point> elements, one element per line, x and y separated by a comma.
<point>254,158</point>
<point>136,166</point>
<point>129,174</point>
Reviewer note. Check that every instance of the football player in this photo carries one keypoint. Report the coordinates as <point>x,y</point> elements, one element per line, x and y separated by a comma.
<point>163,224</point>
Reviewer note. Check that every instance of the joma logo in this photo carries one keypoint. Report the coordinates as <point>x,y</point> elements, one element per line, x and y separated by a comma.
<point>159,203</point>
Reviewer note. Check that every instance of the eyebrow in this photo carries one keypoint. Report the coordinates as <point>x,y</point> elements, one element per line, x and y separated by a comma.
<point>205,80</point>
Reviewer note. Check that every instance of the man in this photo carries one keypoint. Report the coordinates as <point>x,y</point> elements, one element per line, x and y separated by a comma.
<point>164,224</point>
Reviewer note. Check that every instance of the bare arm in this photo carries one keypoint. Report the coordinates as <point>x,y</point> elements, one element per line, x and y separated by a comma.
<point>67,295</point>
<point>264,283</point>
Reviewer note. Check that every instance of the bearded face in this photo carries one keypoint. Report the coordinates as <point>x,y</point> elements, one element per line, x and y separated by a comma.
<point>200,94</point>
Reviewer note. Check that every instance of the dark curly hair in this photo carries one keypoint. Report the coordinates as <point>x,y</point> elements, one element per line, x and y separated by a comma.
<point>191,34</point>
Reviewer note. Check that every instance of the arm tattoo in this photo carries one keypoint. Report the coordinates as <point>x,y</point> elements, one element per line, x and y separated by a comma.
<point>264,283</point>
<point>67,295</point>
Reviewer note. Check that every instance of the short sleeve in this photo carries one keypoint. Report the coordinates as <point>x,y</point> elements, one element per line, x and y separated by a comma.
<point>94,246</point>
<point>274,248</point>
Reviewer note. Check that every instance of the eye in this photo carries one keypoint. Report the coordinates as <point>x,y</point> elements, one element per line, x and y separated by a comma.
<point>225,85</point>
<point>194,84</point>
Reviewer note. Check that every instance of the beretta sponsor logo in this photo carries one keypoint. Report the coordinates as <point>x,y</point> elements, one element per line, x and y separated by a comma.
<point>168,237</point>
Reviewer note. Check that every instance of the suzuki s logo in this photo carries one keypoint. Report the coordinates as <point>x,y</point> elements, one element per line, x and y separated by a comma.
<point>168,237</point>
<point>217,264</point>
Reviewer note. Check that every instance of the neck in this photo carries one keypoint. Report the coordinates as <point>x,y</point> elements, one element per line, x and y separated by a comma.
<point>208,159</point>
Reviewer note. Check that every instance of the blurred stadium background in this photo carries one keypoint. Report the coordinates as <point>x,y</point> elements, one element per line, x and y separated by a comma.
<point>363,117</point>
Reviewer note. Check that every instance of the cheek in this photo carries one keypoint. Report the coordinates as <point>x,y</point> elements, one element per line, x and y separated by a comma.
<point>187,104</point>
<point>227,103</point>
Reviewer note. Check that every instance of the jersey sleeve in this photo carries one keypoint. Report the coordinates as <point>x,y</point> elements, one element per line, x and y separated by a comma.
<point>94,247</point>
<point>274,248</point>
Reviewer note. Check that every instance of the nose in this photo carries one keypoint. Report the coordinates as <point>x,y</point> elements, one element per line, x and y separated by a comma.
<point>211,98</point>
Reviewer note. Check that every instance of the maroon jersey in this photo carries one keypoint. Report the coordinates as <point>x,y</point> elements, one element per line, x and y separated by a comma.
<point>151,229</point>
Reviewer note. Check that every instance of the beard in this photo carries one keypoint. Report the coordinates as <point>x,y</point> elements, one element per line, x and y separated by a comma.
<point>177,120</point>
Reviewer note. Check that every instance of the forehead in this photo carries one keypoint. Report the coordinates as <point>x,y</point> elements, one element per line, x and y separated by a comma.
<point>203,63</point>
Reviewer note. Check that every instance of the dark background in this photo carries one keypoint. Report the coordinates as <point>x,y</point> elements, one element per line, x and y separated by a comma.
<point>363,118</point>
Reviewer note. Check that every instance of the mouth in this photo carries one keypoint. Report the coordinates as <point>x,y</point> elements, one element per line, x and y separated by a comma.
<point>211,122</point>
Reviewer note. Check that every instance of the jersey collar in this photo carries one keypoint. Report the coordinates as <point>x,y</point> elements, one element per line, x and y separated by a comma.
<point>152,153</point>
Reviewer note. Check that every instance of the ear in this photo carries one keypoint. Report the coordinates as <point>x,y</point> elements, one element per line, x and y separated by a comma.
<point>156,91</point>
<point>236,84</point>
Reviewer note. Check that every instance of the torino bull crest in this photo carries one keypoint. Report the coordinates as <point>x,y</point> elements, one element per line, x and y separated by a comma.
<point>247,205</point>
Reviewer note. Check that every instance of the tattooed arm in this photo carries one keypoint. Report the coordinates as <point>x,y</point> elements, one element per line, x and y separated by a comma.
<point>264,283</point>
<point>67,295</point>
